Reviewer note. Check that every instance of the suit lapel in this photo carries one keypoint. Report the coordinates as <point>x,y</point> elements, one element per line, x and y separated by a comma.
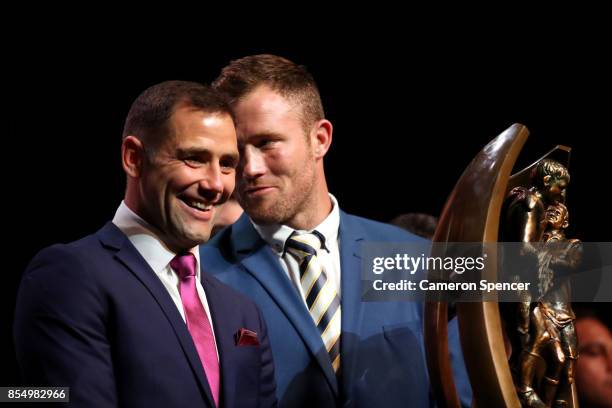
<point>351,238</point>
<point>263,264</point>
<point>222,313</point>
<point>113,239</point>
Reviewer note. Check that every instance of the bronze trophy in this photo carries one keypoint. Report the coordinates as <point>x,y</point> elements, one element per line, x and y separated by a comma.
<point>521,354</point>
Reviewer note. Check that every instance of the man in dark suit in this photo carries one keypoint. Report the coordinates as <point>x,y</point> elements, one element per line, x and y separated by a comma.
<point>298,255</point>
<point>123,317</point>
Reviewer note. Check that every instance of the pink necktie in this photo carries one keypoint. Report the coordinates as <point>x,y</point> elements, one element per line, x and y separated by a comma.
<point>197,320</point>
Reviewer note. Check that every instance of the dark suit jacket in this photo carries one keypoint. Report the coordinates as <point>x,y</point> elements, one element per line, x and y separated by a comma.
<point>382,350</point>
<point>93,316</point>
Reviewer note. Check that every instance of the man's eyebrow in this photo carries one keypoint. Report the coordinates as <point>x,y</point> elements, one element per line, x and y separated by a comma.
<point>199,151</point>
<point>265,133</point>
<point>192,150</point>
<point>254,138</point>
<point>233,156</point>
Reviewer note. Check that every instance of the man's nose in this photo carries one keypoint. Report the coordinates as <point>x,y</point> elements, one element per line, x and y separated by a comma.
<point>211,183</point>
<point>252,163</point>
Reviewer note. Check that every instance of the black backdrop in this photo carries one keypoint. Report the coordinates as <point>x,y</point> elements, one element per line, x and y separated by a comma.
<point>407,122</point>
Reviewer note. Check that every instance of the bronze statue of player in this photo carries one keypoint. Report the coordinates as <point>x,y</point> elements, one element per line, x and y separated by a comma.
<point>525,221</point>
<point>552,331</point>
<point>536,214</point>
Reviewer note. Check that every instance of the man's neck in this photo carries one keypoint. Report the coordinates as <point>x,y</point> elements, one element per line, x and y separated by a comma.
<point>312,215</point>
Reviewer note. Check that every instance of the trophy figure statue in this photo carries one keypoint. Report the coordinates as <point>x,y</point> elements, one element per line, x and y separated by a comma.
<point>537,214</point>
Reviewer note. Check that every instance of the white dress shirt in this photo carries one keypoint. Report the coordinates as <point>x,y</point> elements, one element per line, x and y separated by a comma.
<point>144,238</point>
<point>276,235</point>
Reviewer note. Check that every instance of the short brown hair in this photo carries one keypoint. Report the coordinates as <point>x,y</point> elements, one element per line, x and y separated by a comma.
<point>292,81</point>
<point>548,167</point>
<point>149,114</point>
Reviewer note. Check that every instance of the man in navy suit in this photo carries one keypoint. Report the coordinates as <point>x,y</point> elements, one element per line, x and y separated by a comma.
<point>298,255</point>
<point>124,317</point>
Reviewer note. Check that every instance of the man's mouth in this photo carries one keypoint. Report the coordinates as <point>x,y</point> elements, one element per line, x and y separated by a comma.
<point>257,190</point>
<point>197,204</point>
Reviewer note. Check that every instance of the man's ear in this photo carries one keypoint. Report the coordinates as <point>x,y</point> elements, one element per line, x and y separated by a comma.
<point>323,130</point>
<point>132,156</point>
<point>547,180</point>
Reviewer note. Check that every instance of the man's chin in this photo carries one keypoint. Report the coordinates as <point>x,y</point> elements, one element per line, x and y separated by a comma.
<point>191,239</point>
<point>201,238</point>
<point>264,217</point>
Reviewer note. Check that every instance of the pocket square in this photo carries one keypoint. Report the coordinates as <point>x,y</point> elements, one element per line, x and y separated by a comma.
<point>246,337</point>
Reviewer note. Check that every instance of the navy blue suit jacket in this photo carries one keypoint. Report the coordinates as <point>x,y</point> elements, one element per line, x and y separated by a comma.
<point>382,351</point>
<point>93,316</point>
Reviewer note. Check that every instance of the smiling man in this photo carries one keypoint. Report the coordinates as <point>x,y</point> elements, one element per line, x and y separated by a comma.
<point>124,317</point>
<point>297,254</point>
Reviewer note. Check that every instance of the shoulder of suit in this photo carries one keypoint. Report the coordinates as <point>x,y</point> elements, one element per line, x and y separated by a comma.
<point>80,248</point>
<point>376,230</point>
<point>70,257</point>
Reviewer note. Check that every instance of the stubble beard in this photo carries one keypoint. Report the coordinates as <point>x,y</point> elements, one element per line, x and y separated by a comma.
<point>288,204</point>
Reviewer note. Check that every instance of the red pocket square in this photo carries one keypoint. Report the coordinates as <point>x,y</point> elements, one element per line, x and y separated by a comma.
<point>246,337</point>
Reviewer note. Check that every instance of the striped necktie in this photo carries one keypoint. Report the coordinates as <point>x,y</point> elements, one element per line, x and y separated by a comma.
<point>320,294</point>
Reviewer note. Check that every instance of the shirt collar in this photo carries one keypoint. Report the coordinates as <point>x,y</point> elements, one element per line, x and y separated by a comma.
<point>276,234</point>
<point>146,241</point>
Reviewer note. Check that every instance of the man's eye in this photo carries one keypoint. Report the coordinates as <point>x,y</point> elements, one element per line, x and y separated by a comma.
<point>264,143</point>
<point>193,161</point>
<point>228,164</point>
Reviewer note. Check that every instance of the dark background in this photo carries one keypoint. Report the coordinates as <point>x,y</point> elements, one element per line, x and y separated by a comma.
<point>408,119</point>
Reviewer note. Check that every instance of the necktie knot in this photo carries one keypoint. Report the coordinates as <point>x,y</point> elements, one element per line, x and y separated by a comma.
<point>184,265</point>
<point>306,244</point>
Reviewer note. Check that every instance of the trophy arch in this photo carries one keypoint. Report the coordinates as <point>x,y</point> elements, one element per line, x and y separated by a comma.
<point>472,214</point>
